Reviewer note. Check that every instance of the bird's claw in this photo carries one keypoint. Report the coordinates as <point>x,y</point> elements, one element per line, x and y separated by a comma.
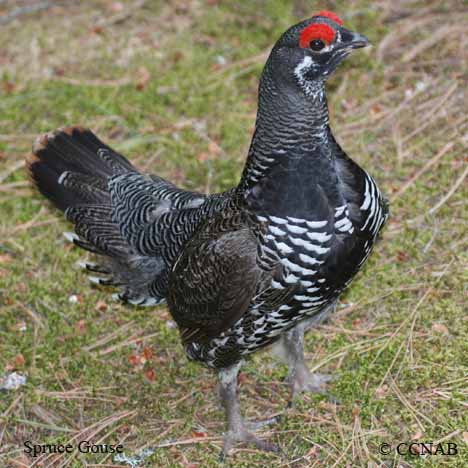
<point>302,380</point>
<point>244,436</point>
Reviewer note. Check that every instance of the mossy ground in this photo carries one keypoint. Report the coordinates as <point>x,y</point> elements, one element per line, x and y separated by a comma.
<point>173,86</point>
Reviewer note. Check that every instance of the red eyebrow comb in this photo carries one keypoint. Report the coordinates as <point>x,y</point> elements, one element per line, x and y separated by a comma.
<point>316,31</point>
<point>330,15</point>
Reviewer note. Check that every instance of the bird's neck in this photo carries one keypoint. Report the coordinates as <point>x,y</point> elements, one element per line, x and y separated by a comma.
<point>291,126</point>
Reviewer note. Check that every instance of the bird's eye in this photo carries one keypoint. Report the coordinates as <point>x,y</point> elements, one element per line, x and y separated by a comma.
<point>317,44</point>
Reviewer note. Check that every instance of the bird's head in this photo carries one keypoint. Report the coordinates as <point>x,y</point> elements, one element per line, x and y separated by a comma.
<point>308,52</point>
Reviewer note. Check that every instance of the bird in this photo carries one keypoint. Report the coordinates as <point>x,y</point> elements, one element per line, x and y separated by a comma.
<point>253,266</point>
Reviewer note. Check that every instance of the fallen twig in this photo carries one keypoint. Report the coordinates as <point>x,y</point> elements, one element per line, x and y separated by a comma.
<point>454,188</point>
<point>25,10</point>
<point>421,171</point>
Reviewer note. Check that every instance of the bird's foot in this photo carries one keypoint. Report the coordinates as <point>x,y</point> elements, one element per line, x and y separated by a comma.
<point>302,380</point>
<point>244,436</point>
<point>255,425</point>
<point>309,382</point>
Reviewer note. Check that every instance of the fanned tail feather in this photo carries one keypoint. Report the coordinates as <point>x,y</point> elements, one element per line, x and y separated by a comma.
<point>72,168</point>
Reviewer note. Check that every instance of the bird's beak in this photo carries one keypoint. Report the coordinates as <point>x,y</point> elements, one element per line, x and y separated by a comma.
<point>352,40</point>
<point>358,41</point>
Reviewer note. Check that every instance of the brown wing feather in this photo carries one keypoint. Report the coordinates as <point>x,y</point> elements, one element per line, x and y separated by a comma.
<point>215,278</point>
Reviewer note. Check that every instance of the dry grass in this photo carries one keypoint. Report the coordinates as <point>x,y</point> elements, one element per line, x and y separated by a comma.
<point>173,85</point>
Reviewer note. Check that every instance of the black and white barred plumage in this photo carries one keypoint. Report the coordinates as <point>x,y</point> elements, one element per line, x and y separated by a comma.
<point>241,268</point>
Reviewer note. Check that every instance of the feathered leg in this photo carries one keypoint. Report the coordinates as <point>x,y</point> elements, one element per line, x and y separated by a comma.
<point>290,350</point>
<point>237,429</point>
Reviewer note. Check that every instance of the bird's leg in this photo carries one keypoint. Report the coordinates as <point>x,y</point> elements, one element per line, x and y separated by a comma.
<point>237,429</point>
<point>290,349</point>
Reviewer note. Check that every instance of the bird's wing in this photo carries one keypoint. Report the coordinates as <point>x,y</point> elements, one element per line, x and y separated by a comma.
<point>215,278</point>
<point>152,219</point>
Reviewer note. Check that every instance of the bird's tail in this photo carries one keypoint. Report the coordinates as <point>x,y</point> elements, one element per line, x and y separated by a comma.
<point>71,166</point>
<point>75,170</point>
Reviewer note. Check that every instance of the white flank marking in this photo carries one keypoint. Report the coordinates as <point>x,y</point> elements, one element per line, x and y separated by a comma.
<point>220,341</point>
<point>305,298</point>
<point>347,227</point>
<point>276,231</point>
<point>277,220</point>
<point>62,177</point>
<point>275,332</point>
<point>94,279</point>
<point>291,279</point>
<point>313,304</point>
<point>310,260</point>
<point>316,224</point>
<point>297,268</point>
<point>70,236</point>
<point>319,236</point>
<point>299,242</point>
<point>296,220</point>
<point>339,210</point>
<point>283,248</point>
<point>276,285</point>
<point>341,223</point>
<point>295,229</point>
<point>315,248</point>
<point>367,198</point>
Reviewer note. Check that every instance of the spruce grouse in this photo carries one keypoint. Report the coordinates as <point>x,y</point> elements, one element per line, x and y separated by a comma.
<point>249,267</point>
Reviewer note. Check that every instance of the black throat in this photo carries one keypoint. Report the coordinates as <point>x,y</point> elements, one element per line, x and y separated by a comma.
<point>290,150</point>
